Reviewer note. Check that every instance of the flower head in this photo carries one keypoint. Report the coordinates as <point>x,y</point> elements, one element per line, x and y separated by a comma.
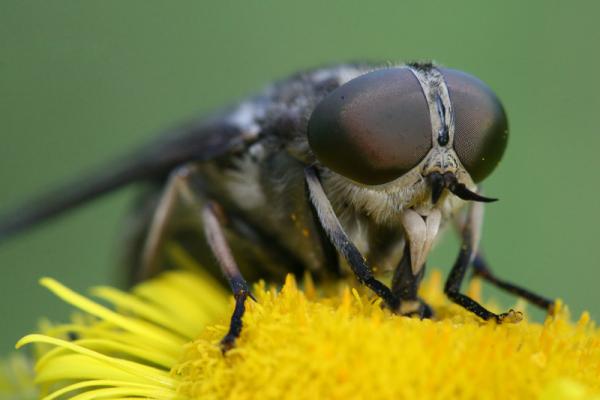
<point>161,342</point>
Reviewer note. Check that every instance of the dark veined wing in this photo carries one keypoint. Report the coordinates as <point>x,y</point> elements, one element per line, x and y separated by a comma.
<point>196,141</point>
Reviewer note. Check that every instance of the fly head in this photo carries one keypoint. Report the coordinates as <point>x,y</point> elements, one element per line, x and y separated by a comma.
<point>446,124</point>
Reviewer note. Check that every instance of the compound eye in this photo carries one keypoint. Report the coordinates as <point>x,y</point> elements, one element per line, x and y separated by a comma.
<point>374,128</point>
<point>481,127</point>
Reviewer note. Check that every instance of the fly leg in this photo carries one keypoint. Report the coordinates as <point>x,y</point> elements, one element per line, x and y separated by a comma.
<point>332,227</point>
<point>213,216</point>
<point>405,286</point>
<point>180,192</point>
<point>482,269</point>
<point>470,240</point>
<point>157,233</point>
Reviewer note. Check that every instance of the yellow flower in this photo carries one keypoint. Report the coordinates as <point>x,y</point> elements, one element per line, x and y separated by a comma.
<point>161,342</point>
<point>16,378</point>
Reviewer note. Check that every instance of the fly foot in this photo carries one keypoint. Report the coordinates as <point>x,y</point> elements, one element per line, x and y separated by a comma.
<point>510,317</point>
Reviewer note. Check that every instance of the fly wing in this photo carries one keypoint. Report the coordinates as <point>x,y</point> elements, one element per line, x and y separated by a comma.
<point>197,141</point>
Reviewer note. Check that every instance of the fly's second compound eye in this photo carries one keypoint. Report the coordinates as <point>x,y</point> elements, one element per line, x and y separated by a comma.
<point>481,127</point>
<point>374,128</point>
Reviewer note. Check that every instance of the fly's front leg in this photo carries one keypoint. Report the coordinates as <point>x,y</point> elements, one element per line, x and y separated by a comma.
<point>332,227</point>
<point>211,216</point>
<point>470,240</point>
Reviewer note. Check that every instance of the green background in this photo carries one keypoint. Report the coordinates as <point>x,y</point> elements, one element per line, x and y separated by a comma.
<point>82,82</point>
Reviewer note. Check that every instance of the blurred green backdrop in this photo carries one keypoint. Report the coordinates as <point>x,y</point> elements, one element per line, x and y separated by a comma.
<point>82,82</point>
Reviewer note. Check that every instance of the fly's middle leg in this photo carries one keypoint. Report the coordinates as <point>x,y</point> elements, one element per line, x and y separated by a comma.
<point>481,268</point>
<point>211,216</point>
<point>471,229</point>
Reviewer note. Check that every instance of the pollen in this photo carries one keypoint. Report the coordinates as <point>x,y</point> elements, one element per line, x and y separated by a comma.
<point>160,341</point>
